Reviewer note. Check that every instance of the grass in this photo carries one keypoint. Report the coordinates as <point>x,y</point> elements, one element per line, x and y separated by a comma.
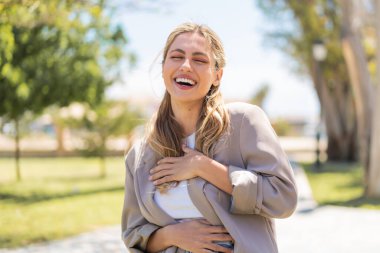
<point>56,198</point>
<point>340,184</point>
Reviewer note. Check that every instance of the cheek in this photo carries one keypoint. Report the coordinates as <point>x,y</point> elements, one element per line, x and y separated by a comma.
<point>210,77</point>
<point>166,71</point>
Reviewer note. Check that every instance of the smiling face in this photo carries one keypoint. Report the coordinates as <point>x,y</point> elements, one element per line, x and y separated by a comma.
<point>189,69</point>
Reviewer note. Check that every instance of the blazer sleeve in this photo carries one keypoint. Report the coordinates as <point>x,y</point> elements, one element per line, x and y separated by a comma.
<point>136,230</point>
<point>266,185</point>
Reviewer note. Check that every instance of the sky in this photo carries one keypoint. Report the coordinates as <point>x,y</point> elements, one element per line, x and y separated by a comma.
<point>250,63</point>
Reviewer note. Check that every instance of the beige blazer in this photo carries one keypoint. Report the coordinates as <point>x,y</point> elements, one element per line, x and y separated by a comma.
<point>262,179</point>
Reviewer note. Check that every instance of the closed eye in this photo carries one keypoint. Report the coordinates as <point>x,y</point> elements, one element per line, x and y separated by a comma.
<point>176,57</point>
<point>200,61</point>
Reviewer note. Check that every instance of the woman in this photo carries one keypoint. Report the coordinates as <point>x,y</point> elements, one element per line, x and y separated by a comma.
<point>209,177</point>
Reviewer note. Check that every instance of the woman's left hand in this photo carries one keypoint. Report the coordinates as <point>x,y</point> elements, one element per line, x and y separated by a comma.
<point>171,169</point>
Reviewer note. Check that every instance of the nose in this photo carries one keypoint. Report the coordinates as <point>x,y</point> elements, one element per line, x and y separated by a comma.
<point>185,66</point>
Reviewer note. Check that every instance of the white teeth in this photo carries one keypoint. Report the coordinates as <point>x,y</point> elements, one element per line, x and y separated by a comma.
<point>184,80</point>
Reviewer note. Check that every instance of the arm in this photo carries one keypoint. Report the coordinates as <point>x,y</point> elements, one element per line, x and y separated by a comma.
<point>194,235</point>
<point>136,230</point>
<point>216,173</point>
<point>158,240</point>
<point>266,185</point>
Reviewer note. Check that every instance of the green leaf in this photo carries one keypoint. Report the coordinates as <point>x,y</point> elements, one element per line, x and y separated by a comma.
<point>23,91</point>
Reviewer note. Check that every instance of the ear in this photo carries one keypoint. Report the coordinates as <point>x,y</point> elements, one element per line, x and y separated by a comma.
<point>218,77</point>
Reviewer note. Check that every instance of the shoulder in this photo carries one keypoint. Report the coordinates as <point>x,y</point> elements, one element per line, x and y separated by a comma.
<point>141,152</point>
<point>134,153</point>
<point>245,112</point>
<point>251,122</point>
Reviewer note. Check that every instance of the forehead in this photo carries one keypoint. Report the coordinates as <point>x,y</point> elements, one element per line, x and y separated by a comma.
<point>191,42</point>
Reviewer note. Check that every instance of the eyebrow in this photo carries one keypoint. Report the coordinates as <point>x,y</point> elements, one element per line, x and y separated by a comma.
<point>183,52</point>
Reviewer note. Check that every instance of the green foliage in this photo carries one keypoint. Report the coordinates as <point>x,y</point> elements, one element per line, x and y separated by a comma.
<point>55,52</point>
<point>369,45</point>
<point>282,127</point>
<point>302,23</point>
<point>98,124</point>
<point>108,119</point>
<point>8,129</point>
<point>260,95</point>
<point>294,27</point>
<point>67,190</point>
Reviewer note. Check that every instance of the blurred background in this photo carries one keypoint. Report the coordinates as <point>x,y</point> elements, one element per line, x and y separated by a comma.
<point>79,80</point>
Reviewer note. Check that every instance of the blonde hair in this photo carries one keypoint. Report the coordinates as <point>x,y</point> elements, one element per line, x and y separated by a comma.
<point>166,135</point>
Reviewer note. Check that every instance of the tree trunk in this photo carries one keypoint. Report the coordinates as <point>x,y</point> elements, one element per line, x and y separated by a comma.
<point>360,81</point>
<point>339,118</point>
<point>340,126</point>
<point>59,131</point>
<point>102,157</point>
<point>17,147</point>
<point>102,166</point>
<point>374,169</point>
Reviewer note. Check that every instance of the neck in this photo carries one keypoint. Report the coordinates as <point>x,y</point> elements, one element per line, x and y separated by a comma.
<point>187,115</point>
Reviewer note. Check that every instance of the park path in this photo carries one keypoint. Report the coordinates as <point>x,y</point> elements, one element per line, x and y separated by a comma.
<point>104,240</point>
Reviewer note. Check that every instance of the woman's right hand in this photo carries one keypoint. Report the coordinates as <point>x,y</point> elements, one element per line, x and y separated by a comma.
<point>198,236</point>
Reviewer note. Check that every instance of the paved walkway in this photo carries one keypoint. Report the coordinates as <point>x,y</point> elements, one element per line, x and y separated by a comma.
<point>105,240</point>
<point>311,229</point>
<point>330,229</point>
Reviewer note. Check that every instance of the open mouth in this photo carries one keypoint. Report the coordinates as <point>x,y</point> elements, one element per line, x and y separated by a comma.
<point>184,82</point>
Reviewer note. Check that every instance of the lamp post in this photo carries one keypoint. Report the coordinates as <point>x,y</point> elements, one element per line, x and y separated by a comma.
<point>319,55</point>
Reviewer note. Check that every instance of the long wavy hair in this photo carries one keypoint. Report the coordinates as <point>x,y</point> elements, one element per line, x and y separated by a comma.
<point>166,135</point>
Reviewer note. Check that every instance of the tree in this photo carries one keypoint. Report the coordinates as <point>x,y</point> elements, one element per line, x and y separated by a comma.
<point>259,96</point>
<point>60,118</point>
<point>360,80</point>
<point>297,25</point>
<point>98,124</point>
<point>374,169</point>
<point>55,52</point>
<point>360,25</point>
<point>22,129</point>
<point>357,21</point>
<point>374,166</point>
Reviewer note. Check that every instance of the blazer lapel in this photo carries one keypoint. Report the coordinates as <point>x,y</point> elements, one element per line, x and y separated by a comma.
<point>196,186</point>
<point>197,195</point>
<point>147,190</point>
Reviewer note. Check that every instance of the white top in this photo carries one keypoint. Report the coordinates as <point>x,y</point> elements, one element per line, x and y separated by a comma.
<point>176,201</point>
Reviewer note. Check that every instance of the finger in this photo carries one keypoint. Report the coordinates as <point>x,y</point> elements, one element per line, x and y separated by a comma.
<point>162,180</point>
<point>160,174</point>
<point>217,248</point>
<point>222,237</point>
<point>160,167</point>
<point>168,160</point>
<point>218,229</point>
